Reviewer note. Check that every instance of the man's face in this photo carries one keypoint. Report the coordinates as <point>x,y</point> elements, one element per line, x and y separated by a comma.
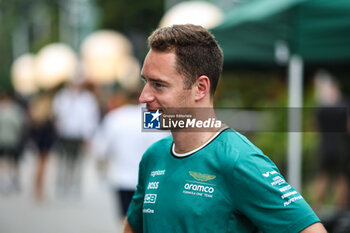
<point>164,86</point>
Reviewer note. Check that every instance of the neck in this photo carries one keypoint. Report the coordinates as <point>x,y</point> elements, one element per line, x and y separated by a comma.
<point>187,139</point>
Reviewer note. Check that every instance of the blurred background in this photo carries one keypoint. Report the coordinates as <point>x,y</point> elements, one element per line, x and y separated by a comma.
<point>70,77</point>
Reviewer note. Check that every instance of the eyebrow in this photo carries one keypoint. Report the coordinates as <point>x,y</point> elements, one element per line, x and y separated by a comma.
<point>153,80</point>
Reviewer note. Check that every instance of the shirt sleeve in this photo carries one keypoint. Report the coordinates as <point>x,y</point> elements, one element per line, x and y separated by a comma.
<point>266,199</point>
<point>134,214</point>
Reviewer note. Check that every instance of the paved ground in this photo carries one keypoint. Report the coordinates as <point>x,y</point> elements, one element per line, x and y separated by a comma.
<point>92,212</point>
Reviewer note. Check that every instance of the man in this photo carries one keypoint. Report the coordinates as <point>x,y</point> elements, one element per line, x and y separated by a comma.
<point>120,140</point>
<point>76,111</point>
<point>205,181</point>
<point>12,134</point>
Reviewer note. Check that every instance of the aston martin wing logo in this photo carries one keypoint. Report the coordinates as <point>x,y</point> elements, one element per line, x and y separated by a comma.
<point>201,177</point>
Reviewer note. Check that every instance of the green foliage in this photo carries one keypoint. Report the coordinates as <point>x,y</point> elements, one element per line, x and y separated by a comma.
<point>267,90</point>
<point>136,19</point>
<point>251,89</point>
<point>15,13</point>
<point>126,15</point>
<point>6,15</point>
<point>258,90</point>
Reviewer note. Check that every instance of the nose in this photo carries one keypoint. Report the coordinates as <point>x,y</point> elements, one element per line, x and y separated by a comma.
<point>146,95</point>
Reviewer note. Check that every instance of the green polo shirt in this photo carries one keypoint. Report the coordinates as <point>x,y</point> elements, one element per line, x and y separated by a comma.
<point>226,185</point>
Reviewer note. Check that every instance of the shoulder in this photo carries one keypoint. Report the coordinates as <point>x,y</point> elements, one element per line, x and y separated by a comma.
<point>157,149</point>
<point>241,152</point>
<point>155,153</point>
<point>233,143</point>
<point>160,145</point>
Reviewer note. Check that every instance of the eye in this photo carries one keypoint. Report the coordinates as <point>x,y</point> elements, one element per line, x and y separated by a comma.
<point>157,85</point>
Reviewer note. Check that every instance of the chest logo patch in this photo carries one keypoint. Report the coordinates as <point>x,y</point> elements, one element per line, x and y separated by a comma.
<point>201,177</point>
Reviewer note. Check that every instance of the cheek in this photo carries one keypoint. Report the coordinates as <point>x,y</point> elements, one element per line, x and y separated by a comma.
<point>184,99</point>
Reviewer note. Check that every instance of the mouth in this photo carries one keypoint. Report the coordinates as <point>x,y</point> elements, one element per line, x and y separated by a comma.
<point>153,109</point>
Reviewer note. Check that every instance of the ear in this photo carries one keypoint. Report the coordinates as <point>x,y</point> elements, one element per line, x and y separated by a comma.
<point>202,87</point>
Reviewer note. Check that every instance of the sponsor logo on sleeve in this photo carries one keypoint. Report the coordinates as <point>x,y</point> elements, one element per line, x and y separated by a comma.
<point>293,199</point>
<point>267,174</point>
<point>288,194</point>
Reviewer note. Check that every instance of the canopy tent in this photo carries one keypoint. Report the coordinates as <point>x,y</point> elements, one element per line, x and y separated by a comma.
<point>293,32</point>
<point>316,30</point>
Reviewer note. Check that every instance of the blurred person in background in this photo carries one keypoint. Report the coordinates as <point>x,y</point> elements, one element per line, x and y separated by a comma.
<point>13,122</point>
<point>43,135</point>
<point>77,113</point>
<point>121,142</point>
<point>332,153</point>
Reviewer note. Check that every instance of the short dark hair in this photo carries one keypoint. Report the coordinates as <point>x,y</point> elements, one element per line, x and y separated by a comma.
<point>197,52</point>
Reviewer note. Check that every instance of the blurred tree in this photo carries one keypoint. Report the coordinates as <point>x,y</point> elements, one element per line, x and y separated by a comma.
<point>136,19</point>
<point>7,21</point>
<point>125,15</point>
<point>25,27</point>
